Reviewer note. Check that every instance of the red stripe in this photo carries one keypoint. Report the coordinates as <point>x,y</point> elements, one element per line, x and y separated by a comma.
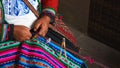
<point>7,59</point>
<point>8,51</point>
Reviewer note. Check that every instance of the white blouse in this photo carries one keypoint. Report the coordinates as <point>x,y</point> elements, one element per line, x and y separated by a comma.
<point>17,13</point>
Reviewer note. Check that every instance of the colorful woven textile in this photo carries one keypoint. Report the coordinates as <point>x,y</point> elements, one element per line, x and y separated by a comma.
<point>36,53</point>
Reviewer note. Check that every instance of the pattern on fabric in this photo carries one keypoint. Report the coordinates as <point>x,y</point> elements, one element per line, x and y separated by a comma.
<point>62,28</point>
<point>70,62</point>
<point>35,53</point>
<point>17,7</point>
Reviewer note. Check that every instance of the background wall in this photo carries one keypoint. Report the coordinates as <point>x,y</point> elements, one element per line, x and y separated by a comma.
<point>100,19</point>
<point>104,22</point>
<point>75,13</point>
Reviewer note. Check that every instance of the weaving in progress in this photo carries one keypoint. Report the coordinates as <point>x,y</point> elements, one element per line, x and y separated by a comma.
<point>37,53</point>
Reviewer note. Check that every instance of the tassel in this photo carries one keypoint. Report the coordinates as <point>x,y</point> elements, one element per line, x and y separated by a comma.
<point>63,45</point>
<point>48,40</point>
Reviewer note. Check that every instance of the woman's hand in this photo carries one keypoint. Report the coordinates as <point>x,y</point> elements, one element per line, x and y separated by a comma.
<point>41,26</point>
<point>21,33</point>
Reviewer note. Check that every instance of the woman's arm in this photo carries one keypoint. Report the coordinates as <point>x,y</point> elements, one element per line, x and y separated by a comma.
<point>49,9</point>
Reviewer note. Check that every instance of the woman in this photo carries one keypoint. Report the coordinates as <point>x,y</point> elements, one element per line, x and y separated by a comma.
<point>20,19</point>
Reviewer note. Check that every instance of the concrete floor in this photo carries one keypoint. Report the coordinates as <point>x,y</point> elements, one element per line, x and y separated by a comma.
<point>103,55</point>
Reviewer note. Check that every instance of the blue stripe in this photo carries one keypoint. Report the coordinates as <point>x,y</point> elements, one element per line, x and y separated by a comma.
<point>7,64</point>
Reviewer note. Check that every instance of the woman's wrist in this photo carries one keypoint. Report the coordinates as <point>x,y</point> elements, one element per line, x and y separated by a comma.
<point>50,15</point>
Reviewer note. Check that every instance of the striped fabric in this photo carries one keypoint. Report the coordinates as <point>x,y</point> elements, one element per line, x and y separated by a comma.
<point>36,53</point>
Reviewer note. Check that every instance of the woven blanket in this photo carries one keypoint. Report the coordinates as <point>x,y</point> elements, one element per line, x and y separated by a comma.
<point>36,53</point>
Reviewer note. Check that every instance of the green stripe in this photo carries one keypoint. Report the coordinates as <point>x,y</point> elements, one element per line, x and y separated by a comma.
<point>1,35</point>
<point>9,46</point>
<point>0,5</point>
<point>3,15</point>
<point>40,6</point>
